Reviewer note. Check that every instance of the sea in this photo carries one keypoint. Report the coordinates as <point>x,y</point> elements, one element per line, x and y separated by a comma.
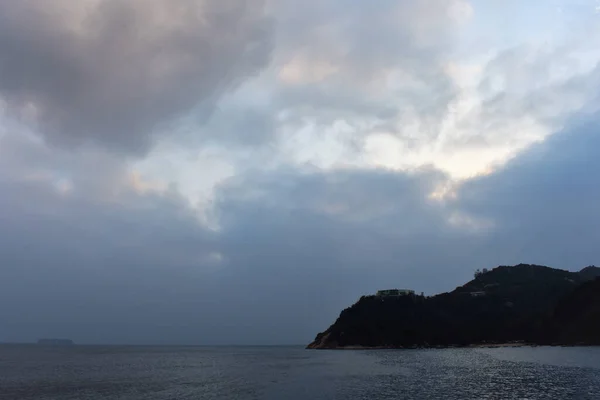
<point>31,372</point>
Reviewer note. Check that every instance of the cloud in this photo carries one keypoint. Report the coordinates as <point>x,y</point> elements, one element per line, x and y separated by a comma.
<point>325,165</point>
<point>332,235</point>
<point>339,59</point>
<point>292,248</point>
<point>350,86</point>
<point>139,266</point>
<point>544,202</point>
<point>338,63</point>
<point>131,269</point>
<point>115,73</point>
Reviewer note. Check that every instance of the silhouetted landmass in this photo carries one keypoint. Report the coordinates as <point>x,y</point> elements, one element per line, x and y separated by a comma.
<point>524,303</point>
<point>576,319</point>
<point>55,342</point>
<point>590,273</point>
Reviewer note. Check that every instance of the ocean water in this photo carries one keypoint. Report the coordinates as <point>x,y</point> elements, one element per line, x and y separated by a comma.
<point>29,372</point>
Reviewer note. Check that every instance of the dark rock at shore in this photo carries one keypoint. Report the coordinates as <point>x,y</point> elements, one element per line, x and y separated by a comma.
<point>519,304</point>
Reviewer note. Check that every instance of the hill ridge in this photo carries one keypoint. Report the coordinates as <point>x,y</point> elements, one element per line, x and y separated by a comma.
<point>504,304</point>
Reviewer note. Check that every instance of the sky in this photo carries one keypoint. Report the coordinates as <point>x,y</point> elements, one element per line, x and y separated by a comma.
<point>239,171</point>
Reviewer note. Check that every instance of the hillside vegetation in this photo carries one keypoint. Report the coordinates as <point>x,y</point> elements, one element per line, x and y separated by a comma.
<point>523,303</point>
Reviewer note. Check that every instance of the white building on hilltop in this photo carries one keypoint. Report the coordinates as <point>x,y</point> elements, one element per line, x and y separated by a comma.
<point>395,292</point>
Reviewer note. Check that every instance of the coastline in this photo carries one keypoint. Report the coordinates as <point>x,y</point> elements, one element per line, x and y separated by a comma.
<point>518,306</point>
<point>469,346</point>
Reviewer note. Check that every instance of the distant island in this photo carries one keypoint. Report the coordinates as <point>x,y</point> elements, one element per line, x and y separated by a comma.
<point>55,342</point>
<point>518,305</point>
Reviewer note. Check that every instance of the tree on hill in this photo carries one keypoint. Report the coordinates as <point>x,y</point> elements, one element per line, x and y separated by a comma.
<point>479,272</point>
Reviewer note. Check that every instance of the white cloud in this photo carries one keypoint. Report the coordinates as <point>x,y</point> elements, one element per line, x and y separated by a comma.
<point>350,88</point>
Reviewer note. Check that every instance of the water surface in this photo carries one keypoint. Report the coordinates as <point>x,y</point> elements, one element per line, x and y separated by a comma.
<point>157,373</point>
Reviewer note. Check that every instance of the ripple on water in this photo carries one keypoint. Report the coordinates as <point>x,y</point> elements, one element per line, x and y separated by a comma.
<point>94,373</point>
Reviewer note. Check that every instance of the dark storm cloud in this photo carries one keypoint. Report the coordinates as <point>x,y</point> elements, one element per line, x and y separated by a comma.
<point>113,72</point>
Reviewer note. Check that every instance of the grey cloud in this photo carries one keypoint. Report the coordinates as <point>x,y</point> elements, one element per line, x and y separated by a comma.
<point>304,245</point>
<point>526,93</point>
<point>104,263</point>
<point>102,271</point>
<point>527,82</point>
<point>324,238</point>
<point>363,45</point>
<point>356,195</point>
<point>246,126</point>
<point>120,71</point>
<point>293,247</point>
<point>372,37</point>
<point>141,269</point>
<point>544,202</point>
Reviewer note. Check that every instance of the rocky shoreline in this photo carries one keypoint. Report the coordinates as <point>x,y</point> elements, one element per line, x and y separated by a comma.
<point>479,345</point>
<point>470,346</point>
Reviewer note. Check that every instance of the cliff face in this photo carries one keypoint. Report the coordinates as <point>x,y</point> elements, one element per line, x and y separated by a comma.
<point>503,305</point>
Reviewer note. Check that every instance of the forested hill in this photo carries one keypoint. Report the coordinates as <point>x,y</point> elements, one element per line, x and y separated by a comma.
<point>576,319</point>
<point>505,304</point>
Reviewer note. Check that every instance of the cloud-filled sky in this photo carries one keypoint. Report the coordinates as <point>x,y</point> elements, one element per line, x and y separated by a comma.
<point>238,171</point>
